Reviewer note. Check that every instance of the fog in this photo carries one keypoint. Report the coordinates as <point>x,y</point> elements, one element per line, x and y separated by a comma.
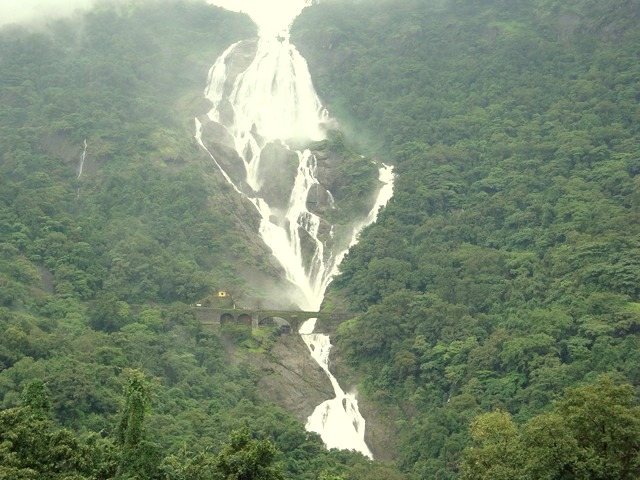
<point>29,11</point>
<point>272,17</point>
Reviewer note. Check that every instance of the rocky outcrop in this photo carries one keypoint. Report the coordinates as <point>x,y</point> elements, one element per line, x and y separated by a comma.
<point>280,166</point>
<point>292,379</point>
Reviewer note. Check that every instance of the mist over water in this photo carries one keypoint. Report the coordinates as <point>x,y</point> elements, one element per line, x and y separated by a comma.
<point>263,99</point>
<point>273,17</point>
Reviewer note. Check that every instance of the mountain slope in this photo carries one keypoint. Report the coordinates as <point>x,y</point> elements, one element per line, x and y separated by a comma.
<point>100,265</point>
<point>506,268</point>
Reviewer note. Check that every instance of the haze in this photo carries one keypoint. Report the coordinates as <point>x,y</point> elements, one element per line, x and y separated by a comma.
<point>272,17</point>
<point>25,11</point>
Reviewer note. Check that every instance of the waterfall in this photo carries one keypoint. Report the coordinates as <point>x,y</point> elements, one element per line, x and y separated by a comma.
<point>82,159</point>
<point>81,167</point>
<point>263,98</point>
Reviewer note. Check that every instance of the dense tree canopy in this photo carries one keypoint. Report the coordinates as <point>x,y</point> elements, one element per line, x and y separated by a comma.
<point>593,432</point>
<point>506,267</point>
<point>498,286</point>
<point>97,270</point>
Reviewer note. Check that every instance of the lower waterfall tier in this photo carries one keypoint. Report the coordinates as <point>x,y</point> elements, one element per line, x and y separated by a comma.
<point>338,421</point>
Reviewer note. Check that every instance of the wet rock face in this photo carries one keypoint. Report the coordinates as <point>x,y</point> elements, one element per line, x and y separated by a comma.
<point>280,166</point>
<point>236,64</point>
<point>216,139</point>
<point>215,134</point>
<point>242,57</point>
<point>292,379</point>
<point>329,177</point>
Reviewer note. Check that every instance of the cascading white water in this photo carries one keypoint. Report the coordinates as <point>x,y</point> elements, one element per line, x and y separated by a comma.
<point>272,102</point>
<point>330,417</point>
<point>82,159</point>
<point>81,166</point>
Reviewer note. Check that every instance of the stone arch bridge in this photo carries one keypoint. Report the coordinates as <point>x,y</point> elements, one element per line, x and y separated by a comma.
<point>258,318</point>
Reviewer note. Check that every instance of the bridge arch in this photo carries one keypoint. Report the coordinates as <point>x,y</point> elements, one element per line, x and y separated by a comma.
<point>282,325</point>
<point>245,319</point>
<point>217,316</point>
<point>266,322</point>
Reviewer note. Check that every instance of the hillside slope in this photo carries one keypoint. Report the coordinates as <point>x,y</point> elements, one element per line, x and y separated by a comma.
<point>507,267</point>
<point>104,370</point>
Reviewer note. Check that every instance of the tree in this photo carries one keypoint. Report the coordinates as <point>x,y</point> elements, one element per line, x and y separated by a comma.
<point>551,450</point>
<point>36,398</point>
<point>33,448</point>
<point>604,419</point>
<point>130,428</point>
<point>245,458</point>
<point>138,457</point>
<point>593,433</point>
<point>109,314</point>
<point>497,450</point>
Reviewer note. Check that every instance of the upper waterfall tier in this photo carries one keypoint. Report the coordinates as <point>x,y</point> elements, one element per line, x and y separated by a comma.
<point>274,97</point>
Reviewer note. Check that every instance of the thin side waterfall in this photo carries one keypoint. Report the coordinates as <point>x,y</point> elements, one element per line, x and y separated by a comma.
<point>263,100</point>
<point>81,166</point>
<point>82,159</point>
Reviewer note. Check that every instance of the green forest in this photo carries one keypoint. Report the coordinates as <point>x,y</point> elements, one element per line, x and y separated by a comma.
<point>104,370</point>
<point>495,303</point>
<point>506,269</point>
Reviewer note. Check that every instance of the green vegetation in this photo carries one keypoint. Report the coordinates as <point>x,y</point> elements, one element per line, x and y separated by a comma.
<point>96,272</point>
<point>351,178</point>
<point>593,432</point>
<point>497,300</point>
<point>141,222</point>
<point>506,268</point>
<point>34,448</point>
